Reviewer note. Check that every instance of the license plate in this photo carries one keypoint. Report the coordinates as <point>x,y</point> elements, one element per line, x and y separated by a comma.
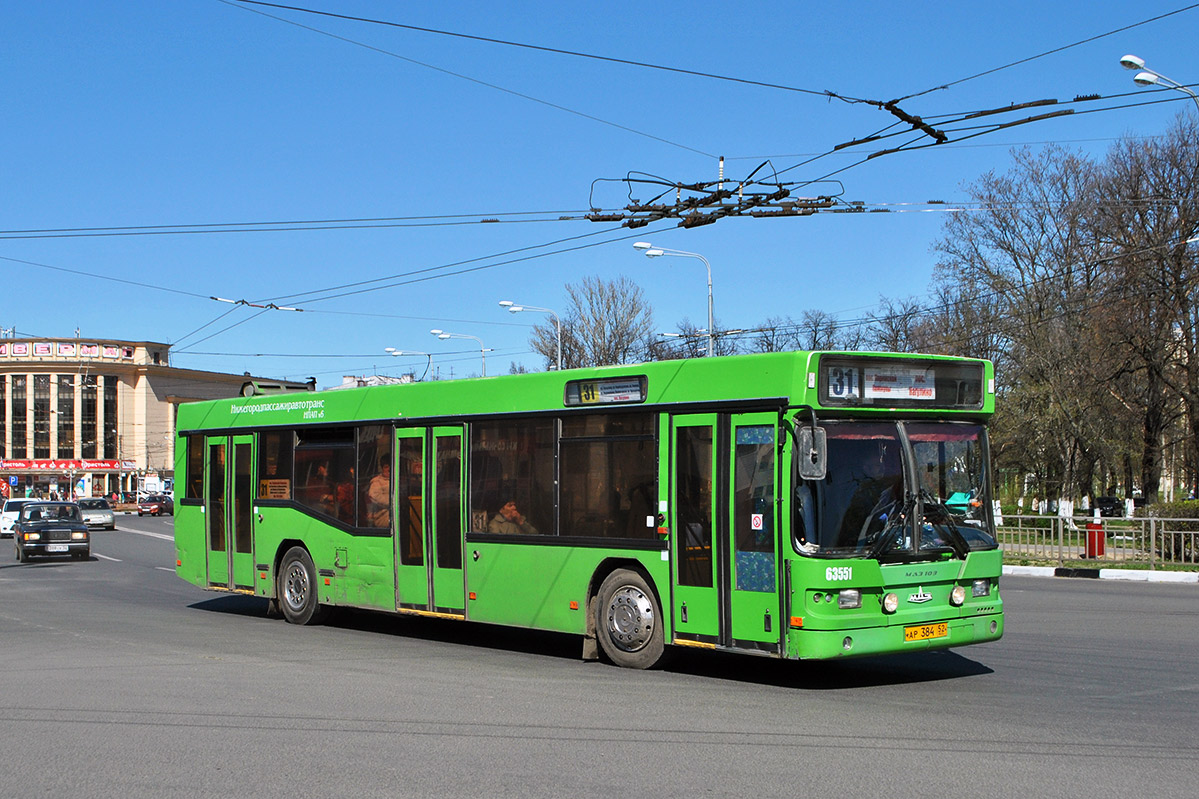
<point>925,632</point>
<point>56,547</point>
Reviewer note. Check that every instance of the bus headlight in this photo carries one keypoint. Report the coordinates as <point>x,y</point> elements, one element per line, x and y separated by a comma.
<point>957,596</point>
<point>890,603</point>
<point>849,598</point>
<point>981,588</point>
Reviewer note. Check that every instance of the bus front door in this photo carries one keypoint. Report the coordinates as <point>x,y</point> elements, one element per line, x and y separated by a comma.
<point>429,520</point>
<point>753,594</point>
<point>229,511</point>
<point>724,531</point>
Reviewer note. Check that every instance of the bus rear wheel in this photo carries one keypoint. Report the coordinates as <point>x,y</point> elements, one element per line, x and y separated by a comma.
<point>297,588</point>
<point>628,621</point>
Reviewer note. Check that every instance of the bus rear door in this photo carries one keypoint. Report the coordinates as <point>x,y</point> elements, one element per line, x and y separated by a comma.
<point>229,511</point>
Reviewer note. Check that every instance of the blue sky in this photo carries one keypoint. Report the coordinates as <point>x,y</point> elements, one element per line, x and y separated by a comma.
<point>202,112</point>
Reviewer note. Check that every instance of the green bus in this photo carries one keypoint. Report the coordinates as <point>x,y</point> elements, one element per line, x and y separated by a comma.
<point>794,505</point>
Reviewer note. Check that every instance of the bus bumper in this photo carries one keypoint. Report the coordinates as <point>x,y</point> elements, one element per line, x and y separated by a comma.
<point>804,644</point>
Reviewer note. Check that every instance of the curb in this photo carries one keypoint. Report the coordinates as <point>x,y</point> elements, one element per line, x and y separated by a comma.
<point>1128,575</point>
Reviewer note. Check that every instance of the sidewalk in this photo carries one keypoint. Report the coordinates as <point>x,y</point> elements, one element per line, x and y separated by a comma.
<point>1133,575</point>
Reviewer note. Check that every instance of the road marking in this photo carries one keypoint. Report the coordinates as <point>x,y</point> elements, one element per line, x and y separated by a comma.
<point>105,557</point>
<point>143,532</point>
<point>165,569</point>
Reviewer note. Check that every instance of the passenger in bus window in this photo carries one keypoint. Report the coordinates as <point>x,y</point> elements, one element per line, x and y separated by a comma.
<point>510,521</point>
<point>378,494</point>
<point>345,498</point>
<point>319,491</point>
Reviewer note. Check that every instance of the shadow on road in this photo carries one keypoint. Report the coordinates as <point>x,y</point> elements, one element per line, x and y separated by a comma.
<point>916,667</point>
<point>43,561</point>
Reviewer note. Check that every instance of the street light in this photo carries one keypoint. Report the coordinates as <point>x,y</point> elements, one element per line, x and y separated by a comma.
<point>514,308</point>
<point>396,353</point>
<point>1151,77</point>
<point>443,335</point>
<point>653,252</point>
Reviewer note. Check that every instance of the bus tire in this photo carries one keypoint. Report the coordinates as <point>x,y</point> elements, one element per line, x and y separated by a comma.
<point>628,621</point>
<point>297,588</point>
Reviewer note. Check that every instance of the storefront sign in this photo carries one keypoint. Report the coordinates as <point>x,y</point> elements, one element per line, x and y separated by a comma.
<point>64,465</point>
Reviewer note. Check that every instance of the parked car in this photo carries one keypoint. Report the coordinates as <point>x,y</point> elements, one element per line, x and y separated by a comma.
<point>8,516</point>
<point>98,513</point>
<point>51,528</point>
<point>156,505</point>
<point>1109,506</point>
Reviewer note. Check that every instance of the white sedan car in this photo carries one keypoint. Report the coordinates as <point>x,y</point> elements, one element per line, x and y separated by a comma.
<point>9,514</point>
<point>98,513</point>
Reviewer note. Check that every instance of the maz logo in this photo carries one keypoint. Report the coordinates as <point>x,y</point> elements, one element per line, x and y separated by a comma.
<point>920,597</point>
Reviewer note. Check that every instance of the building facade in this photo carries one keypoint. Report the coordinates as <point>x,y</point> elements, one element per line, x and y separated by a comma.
<point>82,417</point>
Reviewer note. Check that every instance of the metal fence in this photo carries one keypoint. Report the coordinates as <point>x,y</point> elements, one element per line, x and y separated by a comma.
<point>1149,543</point>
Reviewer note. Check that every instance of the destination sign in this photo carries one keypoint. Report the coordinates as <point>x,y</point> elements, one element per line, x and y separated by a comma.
<point>606,391</point>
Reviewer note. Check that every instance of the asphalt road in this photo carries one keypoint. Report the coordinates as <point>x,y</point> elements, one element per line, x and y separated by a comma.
<point>121,680</point>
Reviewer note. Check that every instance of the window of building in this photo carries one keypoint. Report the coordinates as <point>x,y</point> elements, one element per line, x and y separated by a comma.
<point>87,417</point>
<point>512,477</point>
<point>41,416</point>
<point>3,416</point>
<point>66,416</point>
<point>110,416</point>
<point>20,429</point>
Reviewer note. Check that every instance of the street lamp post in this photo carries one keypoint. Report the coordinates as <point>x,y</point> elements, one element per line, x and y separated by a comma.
<point>517,308</point>
<point>443,335</point>
<point>1151,77</point>
<point>653,252</point>
<point>396,353</point>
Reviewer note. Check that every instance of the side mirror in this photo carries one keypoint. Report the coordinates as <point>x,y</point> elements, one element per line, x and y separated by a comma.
<point>811,453</point>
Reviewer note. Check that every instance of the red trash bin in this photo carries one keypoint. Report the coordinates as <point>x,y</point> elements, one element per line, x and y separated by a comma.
<point>1095,540</point>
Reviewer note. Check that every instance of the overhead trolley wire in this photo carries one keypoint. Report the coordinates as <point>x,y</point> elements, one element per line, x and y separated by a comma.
<point>553,50</point>
<point>459,75</point>
<point>1054,51</point>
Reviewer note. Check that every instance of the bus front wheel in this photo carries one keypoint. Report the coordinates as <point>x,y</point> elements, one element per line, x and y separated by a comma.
<point>628,621</point>
<point>297,588</point>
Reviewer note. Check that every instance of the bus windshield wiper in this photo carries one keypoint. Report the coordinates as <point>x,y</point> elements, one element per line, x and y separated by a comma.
<point>895,524</point>
<point>947,524</point>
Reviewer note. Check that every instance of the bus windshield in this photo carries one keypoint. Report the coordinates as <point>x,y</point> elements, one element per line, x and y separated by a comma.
<point>883,477</point>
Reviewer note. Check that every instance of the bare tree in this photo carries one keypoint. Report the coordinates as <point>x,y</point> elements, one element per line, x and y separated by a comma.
<point>896,327</point>
<point>607,322</point>
<point>815,330</point>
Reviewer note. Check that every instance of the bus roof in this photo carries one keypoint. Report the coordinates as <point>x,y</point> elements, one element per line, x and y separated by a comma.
<point>839,383</point>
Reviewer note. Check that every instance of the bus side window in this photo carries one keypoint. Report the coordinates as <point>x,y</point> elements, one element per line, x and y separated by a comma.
<point>513,462</point>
